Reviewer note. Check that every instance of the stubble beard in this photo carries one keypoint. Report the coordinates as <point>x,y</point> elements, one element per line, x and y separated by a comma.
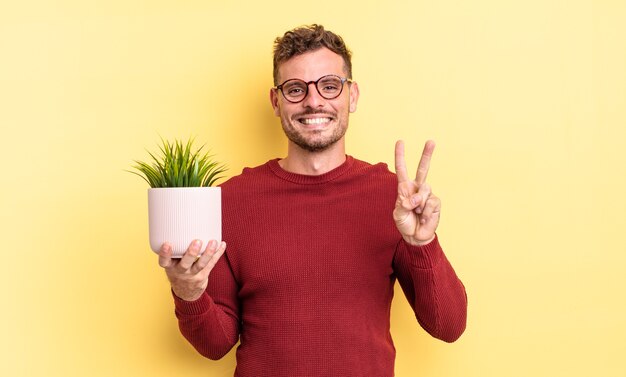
<point>313,141</point>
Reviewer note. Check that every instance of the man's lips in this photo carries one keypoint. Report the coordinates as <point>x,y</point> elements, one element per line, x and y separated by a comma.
<point>315,119</point>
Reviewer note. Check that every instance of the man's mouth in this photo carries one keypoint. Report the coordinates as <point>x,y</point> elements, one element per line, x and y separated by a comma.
<point>314,121</point>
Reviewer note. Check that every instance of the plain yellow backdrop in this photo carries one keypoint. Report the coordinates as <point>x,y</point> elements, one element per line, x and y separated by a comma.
<point>526,100</point>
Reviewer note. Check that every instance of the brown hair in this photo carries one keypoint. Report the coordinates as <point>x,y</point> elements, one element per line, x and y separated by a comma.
<point>309,38</point>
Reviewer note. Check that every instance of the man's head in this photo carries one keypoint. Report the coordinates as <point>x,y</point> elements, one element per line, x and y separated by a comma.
<point>306,39</point>
<point>313,96</point>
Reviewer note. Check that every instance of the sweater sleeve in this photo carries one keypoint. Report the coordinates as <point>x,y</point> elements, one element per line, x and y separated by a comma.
<point>433,289</point>
<point>211,323</point>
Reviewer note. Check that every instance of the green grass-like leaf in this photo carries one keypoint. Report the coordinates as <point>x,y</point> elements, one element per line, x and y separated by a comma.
<point>178,165</point>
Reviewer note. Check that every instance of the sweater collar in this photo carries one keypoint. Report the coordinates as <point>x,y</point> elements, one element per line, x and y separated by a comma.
<point>310,179</point>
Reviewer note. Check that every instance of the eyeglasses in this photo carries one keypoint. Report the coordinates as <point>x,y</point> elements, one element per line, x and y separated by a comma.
<point>296,90</point>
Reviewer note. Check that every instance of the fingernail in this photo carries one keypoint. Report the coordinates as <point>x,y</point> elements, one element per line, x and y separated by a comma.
<point>212,244</point>
<point>196,244</point>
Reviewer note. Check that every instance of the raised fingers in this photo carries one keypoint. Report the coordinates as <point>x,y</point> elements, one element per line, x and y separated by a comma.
<point>400,163</point>
<point>424,165</point>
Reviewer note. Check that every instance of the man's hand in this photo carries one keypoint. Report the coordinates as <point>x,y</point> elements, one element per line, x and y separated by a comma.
<point>189,275</point>
<point>417,209</point>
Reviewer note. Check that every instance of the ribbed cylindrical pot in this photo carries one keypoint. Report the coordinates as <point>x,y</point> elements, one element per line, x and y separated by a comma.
<point>179,215</point>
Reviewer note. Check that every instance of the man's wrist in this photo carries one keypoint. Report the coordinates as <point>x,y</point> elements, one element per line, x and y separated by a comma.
<point>425,256</point>
<point>187,296</point>
<point>200,306</point>
<point>415,242</point>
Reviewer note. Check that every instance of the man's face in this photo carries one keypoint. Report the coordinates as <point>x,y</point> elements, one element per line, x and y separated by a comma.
<point>315,123</point>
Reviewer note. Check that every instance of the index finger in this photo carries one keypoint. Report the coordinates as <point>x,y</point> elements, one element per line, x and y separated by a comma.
<point>403,176</point>
<point>424,165</point>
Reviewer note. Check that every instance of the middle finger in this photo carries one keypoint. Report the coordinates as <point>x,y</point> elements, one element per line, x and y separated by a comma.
<point>191,255</point>
<point>204,259</point>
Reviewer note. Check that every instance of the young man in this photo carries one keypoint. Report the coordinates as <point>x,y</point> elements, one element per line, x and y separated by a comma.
<point>316,240</point>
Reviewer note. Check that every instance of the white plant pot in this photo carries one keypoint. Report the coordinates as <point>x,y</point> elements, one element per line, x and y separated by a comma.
<point>179,215</point>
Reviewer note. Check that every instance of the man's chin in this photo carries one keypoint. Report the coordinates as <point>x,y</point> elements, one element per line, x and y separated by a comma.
<point>313,140</point>
<point>313,147</point>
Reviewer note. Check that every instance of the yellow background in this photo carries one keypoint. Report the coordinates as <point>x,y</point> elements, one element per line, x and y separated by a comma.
<point>526,100</point>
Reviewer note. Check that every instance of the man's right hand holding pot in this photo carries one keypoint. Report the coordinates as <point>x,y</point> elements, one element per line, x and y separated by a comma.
<point>189,275</point>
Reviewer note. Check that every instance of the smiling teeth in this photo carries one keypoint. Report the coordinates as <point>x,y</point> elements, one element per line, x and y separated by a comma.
<point>315,120</point>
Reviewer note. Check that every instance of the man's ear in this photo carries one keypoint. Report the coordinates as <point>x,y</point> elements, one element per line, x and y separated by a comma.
<point>274,101</point>
<point>354,96</point>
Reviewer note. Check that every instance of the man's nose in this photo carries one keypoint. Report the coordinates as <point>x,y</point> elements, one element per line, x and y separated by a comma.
<point>313,98</point>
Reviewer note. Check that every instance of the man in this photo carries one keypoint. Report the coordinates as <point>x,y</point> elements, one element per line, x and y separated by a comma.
<point>316,240</point>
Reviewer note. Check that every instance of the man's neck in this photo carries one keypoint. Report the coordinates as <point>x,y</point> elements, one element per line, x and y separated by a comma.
<point>304,162</point>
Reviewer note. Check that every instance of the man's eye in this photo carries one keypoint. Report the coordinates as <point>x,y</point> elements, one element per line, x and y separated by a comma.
<point>329,86</point>
<point>295,90</point>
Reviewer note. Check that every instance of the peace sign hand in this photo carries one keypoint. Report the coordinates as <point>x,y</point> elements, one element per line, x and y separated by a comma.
<point>417,209</point>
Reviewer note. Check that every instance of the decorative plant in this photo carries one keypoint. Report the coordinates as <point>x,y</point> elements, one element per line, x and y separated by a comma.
<point>179,166</point>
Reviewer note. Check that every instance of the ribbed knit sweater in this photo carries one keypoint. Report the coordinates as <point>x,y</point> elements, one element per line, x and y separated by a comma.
<point>308,276</point>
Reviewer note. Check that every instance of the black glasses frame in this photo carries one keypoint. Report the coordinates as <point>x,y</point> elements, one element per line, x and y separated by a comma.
<point>306,92</point>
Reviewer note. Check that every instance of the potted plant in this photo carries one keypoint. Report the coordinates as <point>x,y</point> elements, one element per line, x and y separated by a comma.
<point>183,205</point>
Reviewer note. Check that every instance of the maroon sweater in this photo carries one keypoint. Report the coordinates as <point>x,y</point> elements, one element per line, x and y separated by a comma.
<point>308,276</point>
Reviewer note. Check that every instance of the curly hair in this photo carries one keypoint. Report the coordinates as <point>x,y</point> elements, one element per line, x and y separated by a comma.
<point>309,38</point>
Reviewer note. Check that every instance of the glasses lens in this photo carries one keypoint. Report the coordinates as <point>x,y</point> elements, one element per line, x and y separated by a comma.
<point>329,87</point>
<point>294,90</point>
